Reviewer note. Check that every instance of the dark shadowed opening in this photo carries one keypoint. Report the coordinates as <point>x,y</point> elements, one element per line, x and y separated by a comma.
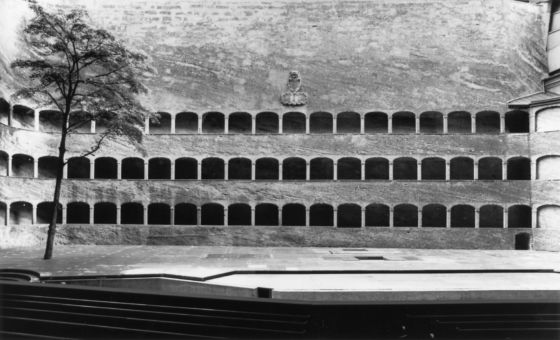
<point>186,122</point>
<point>45,211</point>
<point>240,122</point>
<point>377,215</point>
<point>519,168</point>
<point>186,168</point>
<point>4,111</point>
<point>132,168</point>
<point>22,165</point>
<point>488,122</point>
<point>459,122</point>
<point>431,122</point>
<point>519,216</point>
<point>3,213</point>
<point>159,168</point>
<point>159,213</point>
<point>522,241</point>
<point>293,168</point>
<point>185,214</point>
<point>491,216</point>
<point>293,215</point>
<point>434,215</point>
<point>162,124</point>
<point>78,167</point>
<point>349,216</point>
<point>23,117</point>
<point>377,168</point>
<point>239,168</point>
<point>405,215</point>
<point>3,163</point>
<point>348,122</point>
<point>77,213</point>
<point>376,122</point>
<point>212,214</point>
<point>213,122</point>
<point>349,168</point>
<point>48,166</point>
<point>132,213</point>
<point>321,215</point>
<point>293,122</point>
<point>462,216</point>
<point>104,213</point>
<point>267,122</point>
<point>266,168</point>
<point>239,214</point>
<point>321,122</point>
<point>490,168</point>
<point>404,122</point>
<point>433,168</point>
<point>405,168</point>
<point>212,168</point>
<point>321,168</point>
<point>80,121</point>
<point>21,213</point>
<point>266,214</point>
<point>461,168</point>
<point>105,168</point>
<point>50,121</point>
<point>517,121</point>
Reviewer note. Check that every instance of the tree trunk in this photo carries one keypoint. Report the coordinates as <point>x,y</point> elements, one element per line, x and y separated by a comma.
<point>59,172</point>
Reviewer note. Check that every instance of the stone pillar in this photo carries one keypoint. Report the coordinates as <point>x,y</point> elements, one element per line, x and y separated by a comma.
<point>253,170</point>
<point>279,216</point>
<point>363,217</point>
<point>252,216</point>
<point>417,124</point>
<point>447,217</point>
<point>36,120</point>
<point>118,214</point>
<point>119,169</point>
<point>391,217</point>
<point>11,116</point>
<point>477,218</point>
<point>506,221</point>
<point>307,171</point>
<point>91,168</point>
<point>447,170</point>
<point>419,170</point>
<point>226,222</point>
<point>172,215</point>
<point>280,172</point>
<point>226,125</point>
<point>534,217</point>
<point>64,214</point>
<point>254,125</point>
<point>532,122</point>
<point>445,123</point>
<point>146,170</point>
<point>335,171</point>
<point>334,125</point>
<point>280,125</point>
<point>307,216</point>
<point>92,126</point>
<point>362,125</point>
<point>502,123</point>
<point>475,170</point>
<point>198,169</point>
<point>9,172</point>
<point>533,169</point>
<point>198,216</point>
<point>172,170</point>
<point>91,215</point>
<point>473,123</point>
<point>7,222</point>
<point>306,124</point>
<point>147,125</point>
<point>145,215</point>
<point>363,171</point>
<point>390,170</point>
<point>199,128</point>
<point>65,171</point>
<point>173,124</point>
<point>33,213</point>
<point>35,167</point>
<point>226,171</point>
<point>504,170</point>
<point>390,124</point>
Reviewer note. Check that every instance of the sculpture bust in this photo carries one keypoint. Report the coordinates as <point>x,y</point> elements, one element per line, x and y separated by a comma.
<point>294,96</point>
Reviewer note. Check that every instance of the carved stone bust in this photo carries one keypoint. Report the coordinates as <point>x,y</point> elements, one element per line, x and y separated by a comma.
<point>294,96</point>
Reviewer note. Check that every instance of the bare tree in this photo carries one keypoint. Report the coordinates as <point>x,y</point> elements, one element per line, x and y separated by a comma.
<point>87,75</point>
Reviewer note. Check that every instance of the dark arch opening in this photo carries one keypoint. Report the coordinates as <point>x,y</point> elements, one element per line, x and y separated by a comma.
<point>266,214</point>
<point>321,168</point>
<point>77,213</point>
<point>349,216</point>
<point>239,214</point>
<point>22,165</point>
<point>349,168</point>
<point>377,215</point>
<point>267,122</point>
<point>519,216</point>
<point>239,168</point>
<point>433,168</point>
<point>159,213</point>
<point>48,166</point>
<point>266,168</point>
<point>3,211</point>
<point>434,216</point>
<point>186,168</point>
<point>517,121</point>
<point>3,163</point>
<point>293,214</point>
<point>50,121</point>
<point>405,215</point>
<point>405,168</point>
<point>377,168</point>
<point>185,214</point>
<point>213,122</point>
<point>240,122</point>
<point>132,213</point>
<point>404,122</point>
<point>462,168</point>
<point>490,168</point>
<point>321,122</point>
<point>522,241</point>
<point>431,122</point>
<point>376,122</point>
<point>519,168</point>
<point>491,216</point>
<point>105,168</point>
<point>45,211</point>
<point>104,213</point>
<point>159,168</point>
<point>212,214</point>
<point>160,124</point>
<point>133,168</point>
<point>459,122</point>
<point>21,213</point>
<point>462,216</point>
<point>293,122</point>
<point>212,168</point>
<point>186,122</point>
<point>488,122</point>
<point>80,121</point>
<point>23,117</point>
<point>348,122</point>
<point>4,112</point>
<point>293,168</point>
<point>78,167</point>
<point>321,215</point>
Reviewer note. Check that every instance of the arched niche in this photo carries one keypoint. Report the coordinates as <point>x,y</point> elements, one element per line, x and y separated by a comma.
<point>377,168</point>
<point>349,216</point>
<point>321,168</point>
<point>213,168</point>
<point>548,217</point>
<point>293,214</point>
<point>404,122</point>
<point>490,168</point>
<point>185,214</point>
<point>23,117</point>
<point>186,122</point>
<point>21,213</point>
<point>548,119</point>
<point>293,122</point>
<point>349,168</point>
<point>377,215</point>
<point>519,216</point>
<point>159,213</point>
<point>405,168</point>
<point>294,168</point>
<point>240,122</point>
<point>487,122</point>
<point>48,166</point>
<point>77,213</point>
<point>22,165</point>
<point>433,168</point>
<point>348,122</point>
<point>239,214</point>
<point>431,122</point>
<point>161,124</point>
<point>239,168</point>
<point>459,122</point>
<point>212,214</point>
<point>462,216</point>
<point>491,216</point>
<point>159,168</point>
<point>321,122</point>
<point>4,163</point>
<point>105,213</point>
<point>376,122</point>
<point>519,168</point>
<point>186,168</point>
<point>517,121</point>
<point>213,122</point>
<point>548,167</point>
<point>462,168</point>
<point>132,168</point>
<point>434,216</point>
<point>267,122</point>
<point>45,211</point>
<point>266,214</point>
<point>3,214</point>
<point>405,215</point>
<point>266,168</point>
<point>4,112</point>
<point>321,214</point>
<point>132,213</point>
<point>50,121</point>
<point>78,167</point>
<point>105,168</point>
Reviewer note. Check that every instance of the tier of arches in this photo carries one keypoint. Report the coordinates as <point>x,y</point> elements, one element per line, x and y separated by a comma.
<point>346,215</point>
<point>289,168</point>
